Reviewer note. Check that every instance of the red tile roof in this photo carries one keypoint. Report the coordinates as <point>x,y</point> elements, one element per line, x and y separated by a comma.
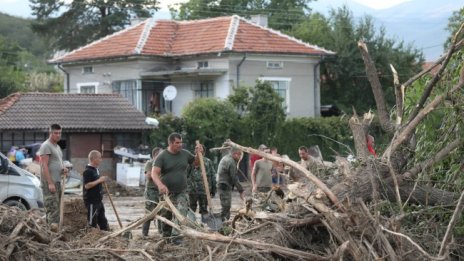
<point>170,38</point>
<point>82,112</point>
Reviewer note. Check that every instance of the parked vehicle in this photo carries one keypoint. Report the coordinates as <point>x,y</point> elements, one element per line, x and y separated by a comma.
<point>18,187</point>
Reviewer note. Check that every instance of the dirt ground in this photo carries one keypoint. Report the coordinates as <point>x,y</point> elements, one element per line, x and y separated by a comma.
<point>130,208</point>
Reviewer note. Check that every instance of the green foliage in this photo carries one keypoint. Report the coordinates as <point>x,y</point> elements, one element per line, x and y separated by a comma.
<point>265,113</point>
<point>12,77</point>
<point>344,81</point>
<point>76,23</point>
<point>331,134</point>
<point>454,22</point>
<point>439,128</point>
<point>167,125</point>
<point>282,14</point>
<point>209,120</point>
<point>18,30</point>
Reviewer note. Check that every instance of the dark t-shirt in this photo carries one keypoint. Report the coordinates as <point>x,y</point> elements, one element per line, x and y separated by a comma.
<point>174,169</point>
<point>93,195</point>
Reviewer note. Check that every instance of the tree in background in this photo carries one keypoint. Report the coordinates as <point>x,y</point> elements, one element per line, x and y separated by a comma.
<point>282,14</point>
<point>262,113</point>
<point>209,120</point>
<point>12,77</point>
<point>75,23</point>
<point>344,80</point>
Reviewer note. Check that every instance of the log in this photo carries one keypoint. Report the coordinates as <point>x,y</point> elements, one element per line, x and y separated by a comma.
<point>11,239</point>
<point>279,250</point>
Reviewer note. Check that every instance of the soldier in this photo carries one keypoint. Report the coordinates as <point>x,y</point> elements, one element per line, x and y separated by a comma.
<point>51,166</point>
<point>196,187</point>
<point>169,174</point>
<point>151,192</point>
<point>227,179</point>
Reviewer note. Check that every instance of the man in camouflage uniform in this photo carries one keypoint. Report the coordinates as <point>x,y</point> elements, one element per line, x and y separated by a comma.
<point>51,166</point>
<point>196,187</point>
<point>151,192</point>
<point>169,174</point>
<point>227,179</point>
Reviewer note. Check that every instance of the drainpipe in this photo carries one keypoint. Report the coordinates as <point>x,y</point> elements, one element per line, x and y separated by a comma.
<point>316,113</point>
<point>238,68</point>
<point>67,87</point>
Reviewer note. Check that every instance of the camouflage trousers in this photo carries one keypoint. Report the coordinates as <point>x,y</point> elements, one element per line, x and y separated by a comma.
<point>200,200</point>
<point>151,201</point>
<point>181,202</point>
<point>225,195</point>
<point>52,202</point>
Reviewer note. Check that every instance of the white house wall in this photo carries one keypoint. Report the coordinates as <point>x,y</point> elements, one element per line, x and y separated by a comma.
<point>304,100</point>
<point>106,73</point>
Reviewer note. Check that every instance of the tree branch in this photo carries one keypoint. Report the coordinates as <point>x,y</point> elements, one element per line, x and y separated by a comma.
<point>444,152</point>
<point>399,97</point>
<point>432,83</point>
<point>449,230</point>
<point>411,126</point>
<point>293,164</point>
<point>379,96</point>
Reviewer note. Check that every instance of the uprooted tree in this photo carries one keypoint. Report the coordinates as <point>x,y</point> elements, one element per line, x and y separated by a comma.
<point>362,233</point>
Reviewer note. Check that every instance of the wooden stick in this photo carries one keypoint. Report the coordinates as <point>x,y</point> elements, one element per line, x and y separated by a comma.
<point>449,230</point>
<point>112,204</point>
<point>136,223</point>
<point>63,188</point>
<point>205,180</point>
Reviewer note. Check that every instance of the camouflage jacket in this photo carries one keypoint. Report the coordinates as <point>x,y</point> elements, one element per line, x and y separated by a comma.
<point>195,179</point>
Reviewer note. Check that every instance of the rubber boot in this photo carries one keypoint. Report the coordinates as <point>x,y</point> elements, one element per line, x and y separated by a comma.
<point>145,228</point>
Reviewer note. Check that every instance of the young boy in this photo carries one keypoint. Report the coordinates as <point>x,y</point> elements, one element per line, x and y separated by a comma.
<point>93,192</point>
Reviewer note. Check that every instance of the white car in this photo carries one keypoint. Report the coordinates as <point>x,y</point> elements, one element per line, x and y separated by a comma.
<point>18,187</point>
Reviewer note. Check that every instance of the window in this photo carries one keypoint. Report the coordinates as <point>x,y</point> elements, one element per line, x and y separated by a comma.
<point>87,87</point>
<point>275,65</point>
<point>87,69</point>
<point>282,87</point>
<point>127,89</point>
<point>203,64</point>
<point>205,89</point>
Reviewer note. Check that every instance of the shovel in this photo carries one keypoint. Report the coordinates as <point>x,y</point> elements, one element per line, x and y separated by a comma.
<point>126,234</point>
<point>214,221</point>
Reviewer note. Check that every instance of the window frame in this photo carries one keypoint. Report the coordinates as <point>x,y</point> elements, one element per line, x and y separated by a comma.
<point>87,84</point>
<point>85,71</point>
<point>288,81</point>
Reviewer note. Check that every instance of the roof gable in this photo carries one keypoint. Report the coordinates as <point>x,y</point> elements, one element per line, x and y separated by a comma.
<point>83,112</point>
<point>170,38</point>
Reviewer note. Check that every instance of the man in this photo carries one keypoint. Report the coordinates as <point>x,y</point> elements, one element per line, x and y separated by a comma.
<point>151,192</point>
<point>195,184</point>
<point>370,145</point>
<point>51,167</point>
<point>93,192</point>
<point>305,161</point>
<point>261,176</point>
<point>169,174</point>
<point>227,179</point>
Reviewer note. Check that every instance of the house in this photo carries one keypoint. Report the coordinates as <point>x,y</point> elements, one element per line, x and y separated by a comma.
<point>89,121</point>
<point>201,58</point>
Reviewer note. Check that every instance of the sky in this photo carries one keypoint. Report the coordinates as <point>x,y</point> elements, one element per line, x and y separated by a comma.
<point>21,7</point>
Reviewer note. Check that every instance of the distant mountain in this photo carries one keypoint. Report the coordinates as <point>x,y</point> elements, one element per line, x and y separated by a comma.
<point>418,22</point>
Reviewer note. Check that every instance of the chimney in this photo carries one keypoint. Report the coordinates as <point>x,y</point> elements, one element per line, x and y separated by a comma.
<point>259,19</point>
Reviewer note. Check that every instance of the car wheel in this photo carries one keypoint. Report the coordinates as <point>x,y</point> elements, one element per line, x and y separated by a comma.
<point>16,203</point>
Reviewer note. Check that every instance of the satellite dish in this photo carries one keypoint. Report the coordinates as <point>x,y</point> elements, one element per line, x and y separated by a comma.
<point>169,93</point>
